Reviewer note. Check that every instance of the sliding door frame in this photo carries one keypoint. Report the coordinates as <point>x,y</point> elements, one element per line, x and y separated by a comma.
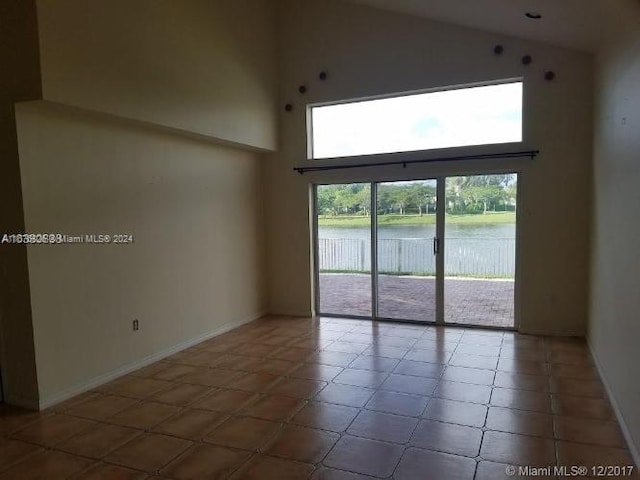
<point>440,211</point>
<point>439,290</point>
<point>440,257</point>
<point>373,208</point>
<point>516,276</point>
<point>316,260</point>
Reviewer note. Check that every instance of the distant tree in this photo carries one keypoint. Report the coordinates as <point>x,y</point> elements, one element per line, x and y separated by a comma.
<point>345,199</point>
<point>363,198</point>
<point>326,200</point>
<point>475,194</point>
<point>384,199</point>
<point>479,193</point>
<point>419,195</point>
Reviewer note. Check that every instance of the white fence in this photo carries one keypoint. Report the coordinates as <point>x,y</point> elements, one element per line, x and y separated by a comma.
<point>486,256</point>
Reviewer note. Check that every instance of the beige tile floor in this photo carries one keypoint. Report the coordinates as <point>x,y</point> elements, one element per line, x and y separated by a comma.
<point>329,399</point>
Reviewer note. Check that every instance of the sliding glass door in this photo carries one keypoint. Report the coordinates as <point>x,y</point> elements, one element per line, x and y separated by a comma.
<point>343,221</point>
<point>405,221</point>
<point>434,250</point>
<point>480,250</point>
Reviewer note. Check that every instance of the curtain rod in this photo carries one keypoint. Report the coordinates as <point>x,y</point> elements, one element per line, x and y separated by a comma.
<point>526,153</point>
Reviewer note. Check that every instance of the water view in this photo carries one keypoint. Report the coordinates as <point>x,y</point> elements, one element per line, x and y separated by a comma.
<point>478,249</point>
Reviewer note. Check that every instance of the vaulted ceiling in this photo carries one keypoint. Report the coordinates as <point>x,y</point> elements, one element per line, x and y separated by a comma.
<point>575,24</point>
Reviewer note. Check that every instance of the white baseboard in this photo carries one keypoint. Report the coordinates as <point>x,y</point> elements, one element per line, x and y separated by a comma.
<point>633,448</point>
<point>77,389</point>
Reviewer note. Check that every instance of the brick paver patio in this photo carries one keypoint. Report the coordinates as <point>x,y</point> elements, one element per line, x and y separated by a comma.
<point>467,301</point>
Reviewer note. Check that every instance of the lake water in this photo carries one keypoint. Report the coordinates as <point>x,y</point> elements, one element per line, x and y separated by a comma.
<point>473,250</point>
<point>421,231</point>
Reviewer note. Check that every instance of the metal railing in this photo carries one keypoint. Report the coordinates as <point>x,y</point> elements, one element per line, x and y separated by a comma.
<point>476,257</point>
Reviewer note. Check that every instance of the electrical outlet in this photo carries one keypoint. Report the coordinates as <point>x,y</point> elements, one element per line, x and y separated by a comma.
<point>136,325</point>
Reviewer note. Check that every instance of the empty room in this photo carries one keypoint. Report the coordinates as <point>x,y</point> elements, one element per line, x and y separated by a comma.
<point>319,239</point>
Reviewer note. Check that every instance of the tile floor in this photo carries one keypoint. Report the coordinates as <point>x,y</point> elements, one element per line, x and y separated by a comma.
<point>329,399</point>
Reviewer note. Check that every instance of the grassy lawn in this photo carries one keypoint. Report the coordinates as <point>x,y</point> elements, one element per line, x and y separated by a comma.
<point>490,218</point>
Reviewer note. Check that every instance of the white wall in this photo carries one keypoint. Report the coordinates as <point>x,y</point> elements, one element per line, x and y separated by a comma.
<point>196,265</point>
<point>204,66</point>
<point>371,52</point>
<point>614,324</point>
<point>142,101</point>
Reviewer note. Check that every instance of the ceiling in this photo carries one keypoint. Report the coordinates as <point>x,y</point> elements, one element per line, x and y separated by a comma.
<point>572,24</point>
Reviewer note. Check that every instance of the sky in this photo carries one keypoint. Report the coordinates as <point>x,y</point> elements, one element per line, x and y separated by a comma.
<point>452,118</point>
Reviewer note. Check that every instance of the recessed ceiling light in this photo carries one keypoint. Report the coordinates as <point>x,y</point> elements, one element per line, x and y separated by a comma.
<point>533,15</point>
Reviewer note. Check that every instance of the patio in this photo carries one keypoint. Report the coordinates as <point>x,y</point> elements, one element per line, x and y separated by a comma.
<point>467,301</point>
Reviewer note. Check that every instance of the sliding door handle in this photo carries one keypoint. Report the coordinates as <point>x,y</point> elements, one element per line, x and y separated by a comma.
<point>436,245</point>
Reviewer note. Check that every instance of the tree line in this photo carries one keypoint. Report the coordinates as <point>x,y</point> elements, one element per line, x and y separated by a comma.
<point>464,195</point>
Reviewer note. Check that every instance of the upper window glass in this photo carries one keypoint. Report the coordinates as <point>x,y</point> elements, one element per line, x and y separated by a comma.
<point>481,115</point>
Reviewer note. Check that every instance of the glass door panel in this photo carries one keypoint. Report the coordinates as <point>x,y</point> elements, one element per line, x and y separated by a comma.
<point>343,249</point>
<point>405,256</point>
<point>480,250</point>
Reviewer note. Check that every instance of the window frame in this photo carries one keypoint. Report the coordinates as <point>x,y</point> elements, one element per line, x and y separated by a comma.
<point>414,153</point>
